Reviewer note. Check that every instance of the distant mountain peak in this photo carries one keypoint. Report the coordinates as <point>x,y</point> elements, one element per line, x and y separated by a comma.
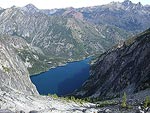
<point>139,4</point>
<point>127,3</point>
<point>30,8</point>
<point>13,6</point>
<point>1,8</point>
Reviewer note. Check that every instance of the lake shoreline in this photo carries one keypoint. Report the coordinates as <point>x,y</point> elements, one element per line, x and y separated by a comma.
<point>62,65</point>
<point>63,80</point>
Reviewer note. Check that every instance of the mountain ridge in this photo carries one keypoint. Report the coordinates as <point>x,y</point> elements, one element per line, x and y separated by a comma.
<point>69,38</point>
<point>122,69</point>
<point>32,41</point>
<point>73,34</point>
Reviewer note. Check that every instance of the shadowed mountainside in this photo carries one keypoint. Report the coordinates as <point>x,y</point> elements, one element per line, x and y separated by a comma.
<point>125,68</point>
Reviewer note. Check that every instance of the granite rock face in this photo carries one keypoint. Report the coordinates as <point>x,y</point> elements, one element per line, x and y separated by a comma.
<point>13,72</point>
<point>125,68</point>
<point>18,102</point>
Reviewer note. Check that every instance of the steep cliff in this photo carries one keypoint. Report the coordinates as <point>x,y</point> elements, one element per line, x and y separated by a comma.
<point>13,72</point>
<point>125,68</point>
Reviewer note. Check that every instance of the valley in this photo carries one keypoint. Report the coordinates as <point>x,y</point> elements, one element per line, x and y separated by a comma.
<point>75,60</point>
<point>64,37</point>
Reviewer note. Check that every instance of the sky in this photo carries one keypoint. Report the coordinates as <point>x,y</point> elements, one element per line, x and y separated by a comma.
<point>51,4</point>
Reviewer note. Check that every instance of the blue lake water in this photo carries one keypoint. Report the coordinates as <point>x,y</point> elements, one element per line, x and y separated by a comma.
<point>62,80</point>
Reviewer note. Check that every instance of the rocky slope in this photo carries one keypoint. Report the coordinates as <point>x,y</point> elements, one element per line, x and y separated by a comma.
<point>125,68</point>
<point>62,36</point>
<point>73,34</point>
<point>18,102</point>
<point>13,72</point>
<point>17,93</point>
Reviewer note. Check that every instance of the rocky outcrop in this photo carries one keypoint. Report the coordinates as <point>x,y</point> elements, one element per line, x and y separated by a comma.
<point>13,72</point>
<point>125,68</point>
<point>18,102</point>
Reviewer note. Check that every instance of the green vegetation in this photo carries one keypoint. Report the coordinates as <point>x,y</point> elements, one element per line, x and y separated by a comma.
<point>6,69</point>
<point>38,61</point>
<point>112,102</point>
<point>130,41</point>
<point>146,102</point>
<point>129,107</point>
<point>76,100</point>
<point>54,96</point>
<point>87,99</point>
<point>124,101</point>
<point>69,99</point>
<point>106,103</point>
